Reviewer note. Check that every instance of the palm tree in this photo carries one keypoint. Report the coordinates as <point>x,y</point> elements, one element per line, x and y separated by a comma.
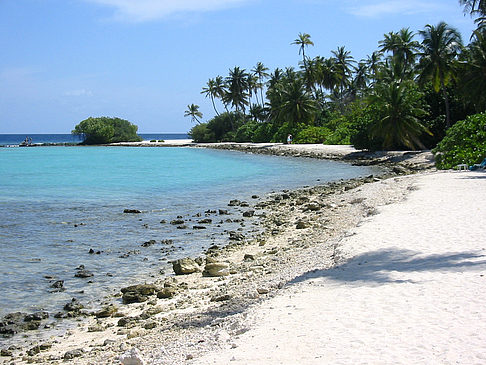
<point>211,91</point>
<point>297,105</point>
<point>260,71</point>
<point>193,112</point>
<point>440,46</point>
<point>237,89</point>
<point>344,69</point>
<point>220,90</point>
<point>303,41</point>
<point>476,8</point>
<point>473,71</point>
<point>401,45</point>
<point>398,106</point>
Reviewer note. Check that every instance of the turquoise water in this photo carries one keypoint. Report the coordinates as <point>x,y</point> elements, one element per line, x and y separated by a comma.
<point>57,203</point>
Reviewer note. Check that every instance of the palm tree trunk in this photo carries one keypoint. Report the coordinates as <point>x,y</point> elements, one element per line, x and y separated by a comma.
<point>214,106</point>
<point>446,102</point>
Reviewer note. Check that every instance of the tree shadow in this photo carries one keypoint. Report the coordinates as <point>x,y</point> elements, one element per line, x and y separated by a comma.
<point>377,267</point>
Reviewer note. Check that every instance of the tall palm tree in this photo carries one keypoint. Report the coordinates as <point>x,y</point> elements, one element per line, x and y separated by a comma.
<point>344,68</point>
<point>440,46</point>
<point>237,89</point>
<point>401,45</point>
<point>473,71</point>
<point>303,41</point>
<point>193,112</point>
<point>260,71</point>
<point>210,90</point>
<point>398,107</point>
<point>373,63</point>
<point>220,89</point>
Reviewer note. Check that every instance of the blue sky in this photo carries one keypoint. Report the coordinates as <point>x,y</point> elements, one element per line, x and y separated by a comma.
<point>63,61</point>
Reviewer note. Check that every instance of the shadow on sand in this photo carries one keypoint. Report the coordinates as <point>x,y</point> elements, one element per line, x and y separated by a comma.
<point>375,267</point>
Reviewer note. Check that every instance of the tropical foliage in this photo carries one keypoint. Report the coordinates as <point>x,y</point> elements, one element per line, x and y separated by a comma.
<point>464,143</point>
<point>404,95</point>
<point>106,130</point>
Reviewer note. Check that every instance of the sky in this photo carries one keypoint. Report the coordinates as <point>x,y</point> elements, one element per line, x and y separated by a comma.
<point>62,61</point>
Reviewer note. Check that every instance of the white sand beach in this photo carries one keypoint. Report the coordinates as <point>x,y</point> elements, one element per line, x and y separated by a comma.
<point>410,289</point>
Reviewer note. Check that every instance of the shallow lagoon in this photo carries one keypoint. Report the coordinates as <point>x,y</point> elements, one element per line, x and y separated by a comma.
<point>57,203</point>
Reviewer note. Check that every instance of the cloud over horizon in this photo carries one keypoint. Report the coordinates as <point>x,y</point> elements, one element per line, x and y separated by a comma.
<point>147,10</point>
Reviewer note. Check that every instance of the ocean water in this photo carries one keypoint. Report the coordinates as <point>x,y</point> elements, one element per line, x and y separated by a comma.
<point>15,139</point>
<point>57,203</point>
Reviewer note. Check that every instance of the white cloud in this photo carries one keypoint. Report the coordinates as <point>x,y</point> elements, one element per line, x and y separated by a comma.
<point>145,10</point>
<point>393,7</point>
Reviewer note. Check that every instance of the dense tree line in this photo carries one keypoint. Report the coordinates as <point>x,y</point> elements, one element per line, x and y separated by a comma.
<point>405,95</point>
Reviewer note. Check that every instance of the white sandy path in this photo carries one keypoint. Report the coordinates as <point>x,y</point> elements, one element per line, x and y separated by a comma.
<point>414,292</point>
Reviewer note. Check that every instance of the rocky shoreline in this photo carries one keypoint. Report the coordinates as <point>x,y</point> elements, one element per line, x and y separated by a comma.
<point>173,319</point>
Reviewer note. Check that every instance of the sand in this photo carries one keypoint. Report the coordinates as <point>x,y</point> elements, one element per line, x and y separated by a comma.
<point>409,289</point>
<point>389,272</point>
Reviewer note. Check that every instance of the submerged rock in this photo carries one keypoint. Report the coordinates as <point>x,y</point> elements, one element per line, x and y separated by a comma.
<point>132,211</point>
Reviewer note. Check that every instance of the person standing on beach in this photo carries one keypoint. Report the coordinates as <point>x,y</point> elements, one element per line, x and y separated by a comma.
<point>289,139</point>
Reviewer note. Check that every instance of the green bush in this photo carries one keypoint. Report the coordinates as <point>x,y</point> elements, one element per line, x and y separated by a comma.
<point>465,142</point>
<point>200,133</point>
<point>311,134</point>
<point>106,130</point>
<point>263,133</point>
<point>246,132</point>
<point>285,129</point>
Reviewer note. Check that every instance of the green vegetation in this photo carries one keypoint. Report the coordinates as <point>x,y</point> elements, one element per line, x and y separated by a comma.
<point>405,95</point>
<point>465,142</point>
<point>103,130</point>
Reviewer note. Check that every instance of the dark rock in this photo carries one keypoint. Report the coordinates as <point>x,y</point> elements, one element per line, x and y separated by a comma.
<point>185,266</point>
<point>73,306</point>
<point>249,213</point>
<point>223,212</point>
<point>149,243</point>
<point>221,298</point>
<point>163,221</point>
<point>166,293</point>
<point>176,222</point>
<point>249,257</point>
<point>205,221</point>
<point>254,196</point>
<point>83,274</point>
<point>182,227</point>
<point>235,236</point>
<point>69,355</point>
<point>302,224</point>
<point>59,284</point>
<point>198,227</point>
<point>234,203</point>
<point>37,316</point>
<point>313,207</point>
<point>132,211</point>
<point>138,293</point>
<point>244,204</point>
<point>6,353</point>
<point>107,311</point>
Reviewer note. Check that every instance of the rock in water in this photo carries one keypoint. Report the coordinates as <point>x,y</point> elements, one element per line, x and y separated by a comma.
<point>132,357</point>
<point>185,266</point>
<point>132,211</point>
